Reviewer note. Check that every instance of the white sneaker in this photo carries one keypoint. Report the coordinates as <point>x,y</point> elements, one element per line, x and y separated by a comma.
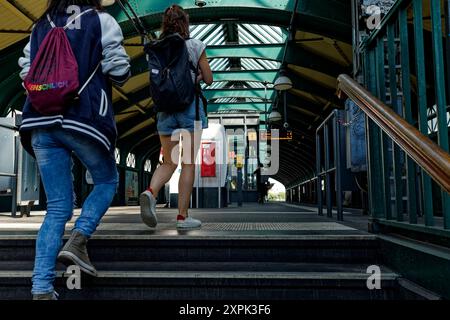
<point>148,209</point>
<point>189,223</point>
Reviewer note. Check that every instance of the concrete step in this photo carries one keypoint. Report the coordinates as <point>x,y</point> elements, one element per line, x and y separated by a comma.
<point>212,268</point>
<point>322,283</point>
<point>148,266</point>
<point>298,249</point>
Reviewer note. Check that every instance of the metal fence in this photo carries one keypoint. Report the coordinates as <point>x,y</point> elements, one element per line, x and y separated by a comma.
<point>404,64</point>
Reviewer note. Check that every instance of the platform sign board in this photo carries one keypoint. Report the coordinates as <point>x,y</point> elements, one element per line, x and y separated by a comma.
<point>356,138</point>
<point>208,164</point>
<point>252,136</point>
<point>283,135</point>
<point>240,161</point>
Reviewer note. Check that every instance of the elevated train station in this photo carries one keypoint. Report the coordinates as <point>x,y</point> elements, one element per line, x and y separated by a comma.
<point>343,102</point>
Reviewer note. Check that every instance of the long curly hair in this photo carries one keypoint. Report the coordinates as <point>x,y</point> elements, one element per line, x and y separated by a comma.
<point>175,20</point>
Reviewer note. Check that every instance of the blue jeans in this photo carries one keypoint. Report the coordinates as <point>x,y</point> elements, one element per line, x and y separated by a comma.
<point>53,148</point>
<point>168,123</point>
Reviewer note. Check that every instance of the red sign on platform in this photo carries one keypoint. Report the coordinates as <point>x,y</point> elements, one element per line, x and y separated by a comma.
<point>208,166</point>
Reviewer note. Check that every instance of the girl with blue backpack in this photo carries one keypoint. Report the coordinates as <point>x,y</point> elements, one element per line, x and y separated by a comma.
<point>177,65</point>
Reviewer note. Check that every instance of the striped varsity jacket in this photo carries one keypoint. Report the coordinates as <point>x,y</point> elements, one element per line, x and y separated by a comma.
<point>97,40</point>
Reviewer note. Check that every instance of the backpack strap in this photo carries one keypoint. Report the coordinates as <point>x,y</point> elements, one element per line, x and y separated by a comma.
<point>198,93</point>
<point>197,89</point>
<point>70,22</point>
<point>197,103</point>
<point>50,21</point>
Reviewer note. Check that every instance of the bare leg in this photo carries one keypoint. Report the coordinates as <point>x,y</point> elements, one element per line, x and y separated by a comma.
<point>191,144</point>
<point>165,171</point>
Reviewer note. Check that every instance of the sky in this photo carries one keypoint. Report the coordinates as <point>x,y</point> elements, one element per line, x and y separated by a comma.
<point>278,187</point>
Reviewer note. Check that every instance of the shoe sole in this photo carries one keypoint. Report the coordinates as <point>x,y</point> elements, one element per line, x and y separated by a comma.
<point>188,228</point>
<point>146,213</point>
<point>69,259</point>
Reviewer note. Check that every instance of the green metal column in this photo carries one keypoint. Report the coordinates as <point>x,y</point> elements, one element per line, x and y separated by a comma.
<point>422,104</point>
<point>406,88</point>
<point>397,153</point>
<point>328,190</point>
<point>441,103</point>
<point>385,141</point>
<point>447,40</point>
<point>374,159</point>
<point>319,177</point>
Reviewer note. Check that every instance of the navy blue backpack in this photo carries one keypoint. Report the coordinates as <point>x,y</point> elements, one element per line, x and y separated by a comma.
<point>171,84</point>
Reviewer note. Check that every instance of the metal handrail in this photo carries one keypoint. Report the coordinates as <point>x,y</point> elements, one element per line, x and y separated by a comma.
<point>10,175</point>
<point>15,128</point>
<point>427,154</point>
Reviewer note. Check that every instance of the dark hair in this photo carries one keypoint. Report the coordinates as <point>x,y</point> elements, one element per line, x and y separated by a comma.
<point>60,6</point>
<point>175,20</point>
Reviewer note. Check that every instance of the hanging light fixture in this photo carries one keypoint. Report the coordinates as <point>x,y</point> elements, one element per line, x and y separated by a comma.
<point>200,3</point>
<point>275,116</point>
<point>282,83</point>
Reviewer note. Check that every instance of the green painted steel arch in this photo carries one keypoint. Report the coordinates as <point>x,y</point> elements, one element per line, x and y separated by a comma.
<point>331,18</point>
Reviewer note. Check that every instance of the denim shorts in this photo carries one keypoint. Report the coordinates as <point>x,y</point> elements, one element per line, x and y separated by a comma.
<point>168,123</point>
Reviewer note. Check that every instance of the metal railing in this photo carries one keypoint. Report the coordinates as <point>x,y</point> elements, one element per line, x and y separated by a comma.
<point>328,163</point>
<point>426,153</point>
<point>409,168</point>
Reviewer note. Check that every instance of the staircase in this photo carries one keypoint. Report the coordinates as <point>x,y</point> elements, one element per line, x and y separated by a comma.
<point>212,268</point>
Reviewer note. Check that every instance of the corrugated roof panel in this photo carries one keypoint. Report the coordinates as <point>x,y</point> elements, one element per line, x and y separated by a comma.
<point>215,64</point>
<point>199,31</point>
<point>255,84</point>
<point>272,32</point>
<point>214,37</point>
<point>256,34</point>
<point>35,8</point>
<point>220,66</point>
<point>250,64</point>
<point>251,32</point>
<point>12,19</point>
<point>246,38</point>
<point>137,82</point>
<point>134,47</point>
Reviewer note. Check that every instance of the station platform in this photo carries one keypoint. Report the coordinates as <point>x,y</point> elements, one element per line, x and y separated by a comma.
<point>251,220</point>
